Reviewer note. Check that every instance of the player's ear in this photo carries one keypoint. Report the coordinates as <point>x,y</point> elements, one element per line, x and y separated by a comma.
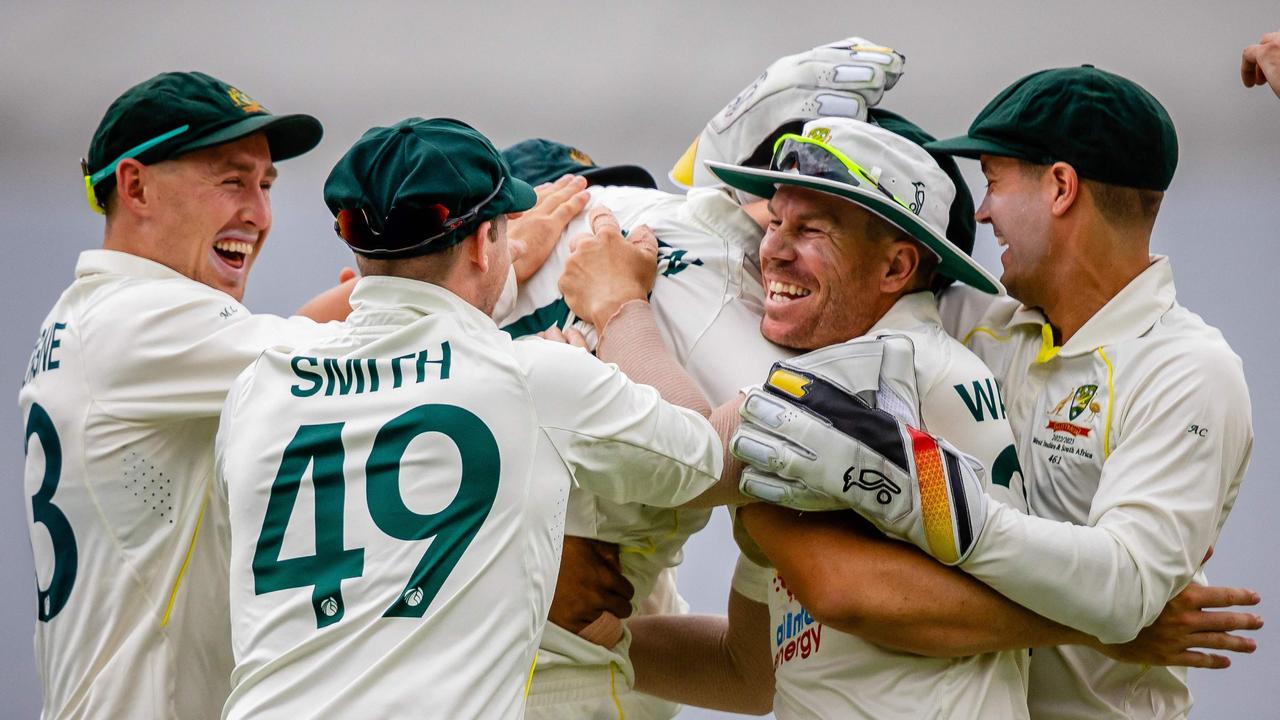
<point>1065,187</point>
<point>478,247</point>
<point>131,186</point>
<point>903,259</point>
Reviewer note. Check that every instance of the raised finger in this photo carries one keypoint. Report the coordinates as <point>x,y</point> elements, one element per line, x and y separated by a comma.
<point>603,221</point>
<point>642,236</point>
<point>1249,65</point>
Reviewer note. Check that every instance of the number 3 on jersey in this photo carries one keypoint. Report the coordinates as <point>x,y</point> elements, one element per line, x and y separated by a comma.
<point>452,528</point>
<point>65,559</point>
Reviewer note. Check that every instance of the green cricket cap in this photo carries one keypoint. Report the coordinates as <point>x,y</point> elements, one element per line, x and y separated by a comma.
<point>538,160</point>
<point>1105,126</point>
<point>418,165</point>
<point>177,112</point>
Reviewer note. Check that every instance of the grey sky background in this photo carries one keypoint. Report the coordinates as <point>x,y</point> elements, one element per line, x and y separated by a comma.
<point>635,82</point>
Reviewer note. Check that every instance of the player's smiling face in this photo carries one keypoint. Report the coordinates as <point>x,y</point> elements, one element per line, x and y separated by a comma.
<point>1016,207</point>
<point>821,260</point>
<point>213,211</point>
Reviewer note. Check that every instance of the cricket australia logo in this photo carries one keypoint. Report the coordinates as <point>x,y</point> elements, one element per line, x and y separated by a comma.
<point>1080,409</point>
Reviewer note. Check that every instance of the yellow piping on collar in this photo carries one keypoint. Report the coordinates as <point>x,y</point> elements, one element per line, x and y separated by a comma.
<point>1048,350</point>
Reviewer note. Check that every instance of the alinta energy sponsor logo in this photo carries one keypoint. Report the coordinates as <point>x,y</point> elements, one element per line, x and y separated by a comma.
<point>1075,413</point>
<point>798,635</point>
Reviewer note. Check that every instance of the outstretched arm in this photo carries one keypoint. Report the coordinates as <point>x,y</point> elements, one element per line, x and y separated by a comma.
<point>894,595</point>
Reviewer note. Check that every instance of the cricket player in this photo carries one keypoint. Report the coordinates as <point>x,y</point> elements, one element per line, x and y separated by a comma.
<point>846,257</point>
<point>1131,415</point>
<point>398,492</point>
<point>708,298</point>
<point>121,400</point>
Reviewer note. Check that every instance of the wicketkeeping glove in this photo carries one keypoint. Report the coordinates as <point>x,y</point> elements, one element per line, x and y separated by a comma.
<point>804,433</point>
<point>838,79</point>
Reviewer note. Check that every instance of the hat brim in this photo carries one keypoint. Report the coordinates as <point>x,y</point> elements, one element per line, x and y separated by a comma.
<point>952,261</point>
<point>972,147</point>
<point>626,175</point>
<point>288,136</point>
<point>518,195</point>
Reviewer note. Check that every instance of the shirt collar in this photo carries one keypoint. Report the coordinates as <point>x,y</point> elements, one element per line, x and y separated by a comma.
<point>385,300</point>
<point>99,262</point>
<point>715,209</point>
<point>1129,314</point>
<point>913,310</point>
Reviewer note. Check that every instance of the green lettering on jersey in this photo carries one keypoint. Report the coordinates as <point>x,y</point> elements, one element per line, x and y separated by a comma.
<point>986,401</point>
<point>320,447</point>
<point>443,362</point>
<point>343,381</point>
<point>314,378</point>
<point>553,313</point>
<point>674,257</point>
<point>1005,467</point>
<point>456,525</point>
<point>49,602</point>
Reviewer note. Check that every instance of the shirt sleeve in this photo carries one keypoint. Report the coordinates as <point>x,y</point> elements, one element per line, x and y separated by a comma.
<point>1165,489</point>
<point>751,581</point>
<point>176,360</point>
<point>620,440</point>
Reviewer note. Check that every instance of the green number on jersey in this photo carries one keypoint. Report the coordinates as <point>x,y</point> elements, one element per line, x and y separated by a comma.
<point>320,446</point>
<point>453,527</point>
<point>1005,467</point>
<point>65,559</point>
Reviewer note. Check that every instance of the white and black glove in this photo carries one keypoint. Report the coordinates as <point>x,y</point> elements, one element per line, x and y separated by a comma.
<point>819,430</point>
<point>837,79</point>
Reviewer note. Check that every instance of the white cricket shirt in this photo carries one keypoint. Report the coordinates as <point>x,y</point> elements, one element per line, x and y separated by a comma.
<point>821,672</point>
<point>397,498</point>
<point>120,403</point>
<point>707,302</point>
<point>1134,436</point>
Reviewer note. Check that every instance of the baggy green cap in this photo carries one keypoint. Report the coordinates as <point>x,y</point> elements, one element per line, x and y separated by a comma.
<point>177,112</point>
<point>538,160</point>
<point>418,163</point>
<point>1105,126</point>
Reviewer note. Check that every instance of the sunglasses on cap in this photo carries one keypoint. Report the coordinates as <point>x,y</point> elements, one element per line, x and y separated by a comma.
<point>90,181</point>
<point>404,227</point>
<point>815,158</point>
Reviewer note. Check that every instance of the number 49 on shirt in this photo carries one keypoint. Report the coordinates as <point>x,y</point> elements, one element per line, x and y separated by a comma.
<point>453,528</point>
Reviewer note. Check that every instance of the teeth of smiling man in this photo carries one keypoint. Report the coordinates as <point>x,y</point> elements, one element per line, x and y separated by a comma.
<point>235,246</point>
<point>776,288</point>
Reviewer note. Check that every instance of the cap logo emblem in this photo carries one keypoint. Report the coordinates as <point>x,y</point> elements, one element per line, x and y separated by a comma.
<point>244,102</point>
<point>580,157</point>
<point>917,204</point>
<point>820,134</point>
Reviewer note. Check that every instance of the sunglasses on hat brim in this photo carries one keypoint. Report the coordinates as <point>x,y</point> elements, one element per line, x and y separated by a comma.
<point>815,158</point>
